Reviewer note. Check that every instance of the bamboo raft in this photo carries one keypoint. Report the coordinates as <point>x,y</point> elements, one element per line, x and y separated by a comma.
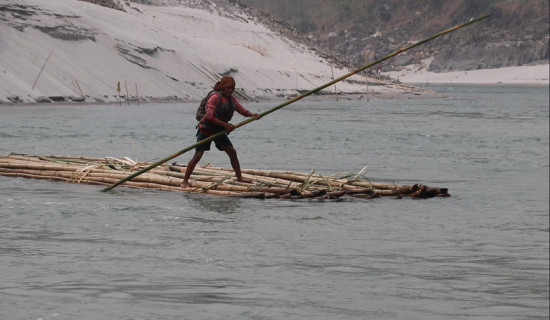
<point>208,179</point>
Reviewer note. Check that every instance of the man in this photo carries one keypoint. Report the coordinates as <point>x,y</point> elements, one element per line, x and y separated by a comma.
<point>219,111</point>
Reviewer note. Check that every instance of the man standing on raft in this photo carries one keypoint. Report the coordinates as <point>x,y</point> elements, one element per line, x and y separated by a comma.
<point>219,110</point>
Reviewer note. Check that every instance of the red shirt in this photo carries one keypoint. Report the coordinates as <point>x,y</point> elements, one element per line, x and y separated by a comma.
<point>214,102</point>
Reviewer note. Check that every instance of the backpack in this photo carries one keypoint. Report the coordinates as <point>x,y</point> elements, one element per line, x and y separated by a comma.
<point>201,111</point>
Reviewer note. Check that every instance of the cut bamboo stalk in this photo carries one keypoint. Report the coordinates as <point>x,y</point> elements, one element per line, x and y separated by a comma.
<point>156,182</point>
<point>228,187</point>
<point>137,94</point>
<point>118,90</point>
<point>78,86</point>
<point>42,69</point>
<point>127,96</point>
<point>136,184</point>
<point>377,185</point>
<point>257,178</point>
<point>209,180</point>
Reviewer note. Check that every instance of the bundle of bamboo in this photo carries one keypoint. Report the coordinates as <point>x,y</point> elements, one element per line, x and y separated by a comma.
<point>207,179</point>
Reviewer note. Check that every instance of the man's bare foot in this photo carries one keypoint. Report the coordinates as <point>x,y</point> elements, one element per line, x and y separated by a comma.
<point>184,184</point>
<point>245,180</point>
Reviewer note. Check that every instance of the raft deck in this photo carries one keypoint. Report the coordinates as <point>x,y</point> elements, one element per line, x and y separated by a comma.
<point>208,179</point>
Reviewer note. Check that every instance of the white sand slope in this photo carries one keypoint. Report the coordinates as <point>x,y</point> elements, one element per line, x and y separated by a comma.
<point>163,50</point>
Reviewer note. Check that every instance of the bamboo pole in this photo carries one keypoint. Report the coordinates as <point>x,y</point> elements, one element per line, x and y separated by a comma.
<point>214,136</point>
<point>78,86</point>
<point>43,66</point>
<point>238,93</point>
<point>274,179</point>
<point>127,96</point>
<point>69,158</point>
<point>270,179</point>
<point>335,90</point>
<point>367,82</point>
<point>137,94</point>
<point>215,78</point>
<point>311,179</point>
<point>216,182</point>
<point>118,90</point>
<point>102,180</point>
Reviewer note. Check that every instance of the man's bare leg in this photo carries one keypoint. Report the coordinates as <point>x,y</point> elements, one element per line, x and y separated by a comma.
<point>232,153</point>
<point>190,167</point>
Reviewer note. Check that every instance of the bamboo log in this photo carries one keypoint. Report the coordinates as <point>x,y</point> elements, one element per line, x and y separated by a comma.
<point>262,179</point>
<point>286,179</point>
<point>150,177</point>
<point>48,158</point>
<point>227,187</point>
<point>146,181</point>
<point>210,180</point>
<point>377,185</point>
<point>102,180</point>
<point>28,165</point>
<point>42,69</point>
<point>299,177</point>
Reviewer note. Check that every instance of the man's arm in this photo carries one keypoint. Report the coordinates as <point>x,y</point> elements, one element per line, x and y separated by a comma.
<point>242,110</point>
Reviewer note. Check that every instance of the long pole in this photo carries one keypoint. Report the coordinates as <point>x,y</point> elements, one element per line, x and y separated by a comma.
<point>335,91</point>
<point>286,103</point>
<point>137,94</point>
<point>78,86</point>
<point>127,96</point>
<point>43,66</point>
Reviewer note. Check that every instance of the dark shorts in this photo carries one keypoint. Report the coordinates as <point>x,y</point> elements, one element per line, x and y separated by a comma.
<point>220,142</point>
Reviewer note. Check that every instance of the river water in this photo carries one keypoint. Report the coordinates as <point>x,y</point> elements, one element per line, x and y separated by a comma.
<point>69,251</point>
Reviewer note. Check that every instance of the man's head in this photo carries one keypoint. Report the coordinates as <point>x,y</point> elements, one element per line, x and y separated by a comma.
<point>226,85</point>
<point>227,82</point>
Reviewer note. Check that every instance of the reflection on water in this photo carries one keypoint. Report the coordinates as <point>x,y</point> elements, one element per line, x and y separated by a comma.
<point>214,204</point>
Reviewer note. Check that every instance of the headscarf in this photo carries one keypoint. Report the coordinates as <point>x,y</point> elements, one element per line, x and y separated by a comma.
<point>225,82</point>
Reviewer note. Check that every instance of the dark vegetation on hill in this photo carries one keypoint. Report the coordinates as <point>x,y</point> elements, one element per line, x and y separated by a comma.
<point>360,31</point>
